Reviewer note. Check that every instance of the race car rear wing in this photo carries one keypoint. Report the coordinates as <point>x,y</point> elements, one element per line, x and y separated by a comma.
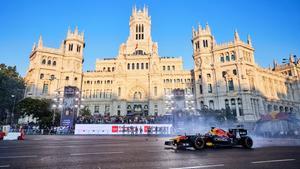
<point>238,131</point>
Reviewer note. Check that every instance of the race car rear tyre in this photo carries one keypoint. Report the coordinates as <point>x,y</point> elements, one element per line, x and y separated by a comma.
<point>247,142</point>
<point>199,143</point>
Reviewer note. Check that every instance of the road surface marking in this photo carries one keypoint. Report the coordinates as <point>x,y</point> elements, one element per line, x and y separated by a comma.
<point>201,166</point>
<point>4,166</point>
<point>156,151</point>
<point>97,153</point>
<point>272,161</point>
<point>31,156</point>
<point>77,145</point>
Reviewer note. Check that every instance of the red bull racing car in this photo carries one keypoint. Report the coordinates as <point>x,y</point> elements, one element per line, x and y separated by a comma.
<point>216,137</point>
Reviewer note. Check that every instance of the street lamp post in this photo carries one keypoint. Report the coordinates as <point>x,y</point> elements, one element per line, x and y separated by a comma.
<point>13,109</point>
<point>56,105</point>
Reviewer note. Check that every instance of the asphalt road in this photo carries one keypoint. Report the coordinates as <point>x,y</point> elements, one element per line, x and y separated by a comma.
<point>109,152</point>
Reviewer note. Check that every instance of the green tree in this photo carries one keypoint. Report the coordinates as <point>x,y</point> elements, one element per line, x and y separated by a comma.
<point>11,84</point>
<point>85,112</point>
<point>38,108</point>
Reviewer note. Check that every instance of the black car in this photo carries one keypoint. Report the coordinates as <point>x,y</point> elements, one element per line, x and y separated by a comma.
<point>216,137</point>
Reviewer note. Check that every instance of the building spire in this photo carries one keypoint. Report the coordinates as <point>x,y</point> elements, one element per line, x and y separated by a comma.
<point>76,30</point>
<point>207,28</point>
<point>193,30</point>
<point>199,27</point>
<point>134,10</point>
<point>236,36</point>
<point>33,47</point>
<point>274,64</point>
<point>249,41</point>
<point>292,59</point>
<point>146,10</point>
<point>40,43</point>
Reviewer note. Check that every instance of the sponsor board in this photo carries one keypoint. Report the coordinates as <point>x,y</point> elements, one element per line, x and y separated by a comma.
<point>69,109</point>
<point>122,129</point>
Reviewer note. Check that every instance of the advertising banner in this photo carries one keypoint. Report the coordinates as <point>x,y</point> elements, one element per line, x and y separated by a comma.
<point>123,129</point>
<point>69,109</point>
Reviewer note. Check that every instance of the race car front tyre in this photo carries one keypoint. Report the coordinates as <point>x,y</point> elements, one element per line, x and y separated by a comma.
<point>247,142</point>
<point>199,143</point>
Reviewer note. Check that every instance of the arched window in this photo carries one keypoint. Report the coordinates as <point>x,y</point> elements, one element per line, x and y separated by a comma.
<point>147,66</point>
<point>119,91</point>
<point>222,59</point>
<point>54,63</point>
<point>49,62</point>
<point>142,65</point>
<point>52,77</point>
<point>211,104</point>
<point>223,74</point>
<point>240,105</point>
<point>128,66</point>
<point>226,103</point>
<point>234,71</point>
<point>41,76</point>
<point>169,68</point>
<point>78,48</point>
<point>230,85</point>
<point>137,95</point>
<point>67,78</point>
<point>70,47</point>
<point>132,66</point>
<point>227,57</point>
<point>137,66</point>
<point>164,67</point>
<point>233,56</point>
<point>139,52</point>
<point>173,67</point>
<point>44,61</point>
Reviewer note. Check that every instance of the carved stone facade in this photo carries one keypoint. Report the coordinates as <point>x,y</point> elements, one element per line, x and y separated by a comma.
<point>227,75</point>
<point>138,79</point>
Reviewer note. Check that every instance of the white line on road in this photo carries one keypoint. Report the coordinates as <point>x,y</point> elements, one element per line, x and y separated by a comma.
<point>272,161</point>
<point>97,153</point>
<point>201,166</point>
<point>72,146</point>
<point>156,151</point>
<point>31,156</point>
<point>4,166</point>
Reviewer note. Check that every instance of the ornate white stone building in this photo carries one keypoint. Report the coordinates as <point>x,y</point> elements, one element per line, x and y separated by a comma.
<point>138,80</point>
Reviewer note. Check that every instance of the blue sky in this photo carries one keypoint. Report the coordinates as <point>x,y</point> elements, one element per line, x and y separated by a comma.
<point>273,25</point>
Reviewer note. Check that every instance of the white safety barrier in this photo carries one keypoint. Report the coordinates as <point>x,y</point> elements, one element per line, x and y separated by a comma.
<point>12,136</point>
<point>123,129</point>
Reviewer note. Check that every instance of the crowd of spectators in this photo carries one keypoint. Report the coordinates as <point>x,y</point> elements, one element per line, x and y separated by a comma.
<point>99,119</point>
